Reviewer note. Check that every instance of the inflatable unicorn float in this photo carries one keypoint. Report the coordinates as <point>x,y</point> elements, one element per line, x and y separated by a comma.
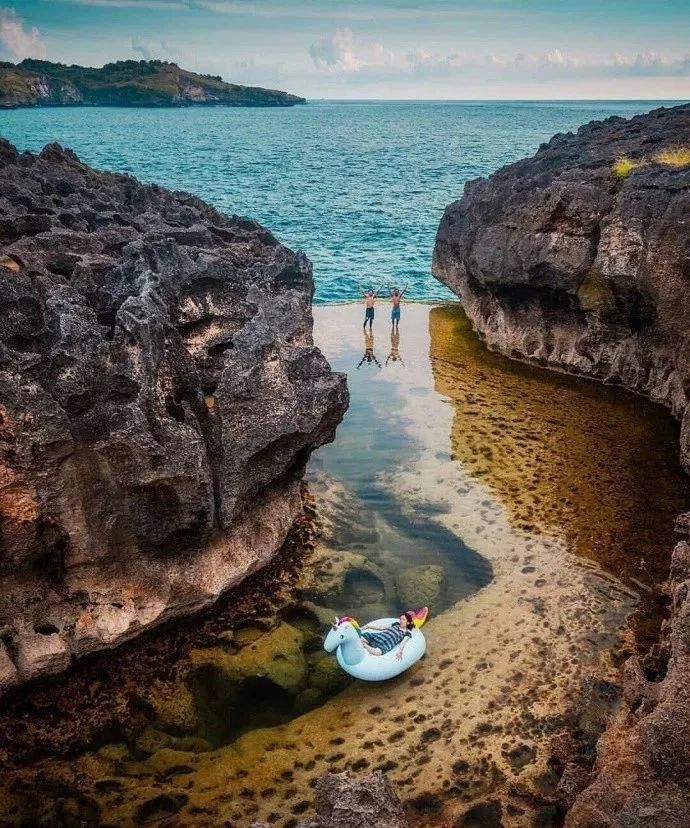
<point>348,639</point>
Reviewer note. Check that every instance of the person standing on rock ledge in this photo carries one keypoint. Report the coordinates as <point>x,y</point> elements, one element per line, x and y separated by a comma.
<point>396,297</point>
<point>370,297</point>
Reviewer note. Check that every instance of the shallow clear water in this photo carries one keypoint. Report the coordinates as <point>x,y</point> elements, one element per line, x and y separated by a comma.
<point>359,186</point>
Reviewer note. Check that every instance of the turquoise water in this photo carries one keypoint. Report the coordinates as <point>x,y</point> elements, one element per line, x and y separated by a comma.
<point>359,186</point>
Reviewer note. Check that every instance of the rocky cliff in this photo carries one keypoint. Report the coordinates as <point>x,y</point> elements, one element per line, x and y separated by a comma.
<point>160,394</point>
<point>643,763</point>
<point>126,83</point>
<point>579,258</point>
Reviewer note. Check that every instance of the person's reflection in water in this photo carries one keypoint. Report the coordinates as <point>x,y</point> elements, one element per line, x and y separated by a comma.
<point>369,355</point>
<point>394,355</point>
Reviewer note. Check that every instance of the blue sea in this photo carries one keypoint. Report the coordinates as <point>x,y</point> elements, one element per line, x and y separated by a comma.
<point>359,186</point>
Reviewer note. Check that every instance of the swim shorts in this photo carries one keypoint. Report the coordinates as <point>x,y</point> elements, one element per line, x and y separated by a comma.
<point>395,312</point>
<point>369,314</point>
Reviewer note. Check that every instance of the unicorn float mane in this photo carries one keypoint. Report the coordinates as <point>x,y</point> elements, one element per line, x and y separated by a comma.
<point>352,621</point>
<point>419,616</point>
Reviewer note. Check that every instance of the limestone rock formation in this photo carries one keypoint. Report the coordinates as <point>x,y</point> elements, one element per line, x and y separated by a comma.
<point>581,263</point>
<point>644,757</point>
<point>579,259</point>
<point>343,801</point>
<point>160,394</point>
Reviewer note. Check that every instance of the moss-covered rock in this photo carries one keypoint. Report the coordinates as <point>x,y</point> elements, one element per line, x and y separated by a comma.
<point>277,656</point>
<point>191,744</point>
<point>174,708</point>
<point>307,700</point>
<point>421,586</point>
<point>328,676</point>
<point>152,740</point>
<point>118,752</point>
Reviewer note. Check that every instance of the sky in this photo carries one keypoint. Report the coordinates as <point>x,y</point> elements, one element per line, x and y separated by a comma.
<point>443,49</point>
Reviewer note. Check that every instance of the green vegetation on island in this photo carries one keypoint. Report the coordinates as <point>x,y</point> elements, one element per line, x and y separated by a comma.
<point>126,83</point>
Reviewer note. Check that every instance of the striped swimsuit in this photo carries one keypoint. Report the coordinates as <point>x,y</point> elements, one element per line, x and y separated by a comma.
<point>386,640</point>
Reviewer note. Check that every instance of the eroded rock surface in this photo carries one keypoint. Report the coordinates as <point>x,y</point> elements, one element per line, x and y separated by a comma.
<point>567,260</point>
<point>558,259</point>
<point>644,757</point>
<point>160,394</point>
<point>344,801</point>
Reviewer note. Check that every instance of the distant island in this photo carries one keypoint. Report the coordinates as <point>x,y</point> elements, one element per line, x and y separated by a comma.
<point>126,83</point>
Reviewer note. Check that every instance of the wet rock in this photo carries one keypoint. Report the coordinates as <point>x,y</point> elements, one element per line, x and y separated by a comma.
<point>160,395</point>
<point>191,744</point>
<point>276,656</point>
<point>118,752</point>
<point>159,807</point>
<point>344,580</point>
<point>307,700</point>
<point>520,756</point>
<point>328,676</point>
<point>8,670</point>
<point>343,801</point>
<point>227,639</point>
<point>173,707</point>
<point>482,815</point>
<point>152,740</point>
<point>421,586</point>
<point>164,762</point>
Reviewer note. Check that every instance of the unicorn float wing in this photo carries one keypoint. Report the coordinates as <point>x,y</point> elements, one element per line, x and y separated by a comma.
<point>345,637</point>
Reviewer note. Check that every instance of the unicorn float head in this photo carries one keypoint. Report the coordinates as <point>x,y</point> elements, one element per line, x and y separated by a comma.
<point>345,633</point>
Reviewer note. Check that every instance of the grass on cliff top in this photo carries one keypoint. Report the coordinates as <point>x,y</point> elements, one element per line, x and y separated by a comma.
<point>623,166</point>
<point>675,157</point>
<point>672,157</point>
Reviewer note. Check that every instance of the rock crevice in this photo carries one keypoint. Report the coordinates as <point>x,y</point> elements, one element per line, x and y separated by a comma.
<point>160,394</point>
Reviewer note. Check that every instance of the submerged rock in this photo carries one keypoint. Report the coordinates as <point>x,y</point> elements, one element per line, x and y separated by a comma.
<point>578,258</point>
<point>343,801</point>
<point>277,656</point>
<point>160,395</point>
<point>421,586</point>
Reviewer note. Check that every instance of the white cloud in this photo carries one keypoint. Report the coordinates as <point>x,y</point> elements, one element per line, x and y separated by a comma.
<point>367,62</point>
<point>154,49</point>
<point>16,41</point>
<point>341,52</point>
<point>336,52</point>
<point>131,4</point>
